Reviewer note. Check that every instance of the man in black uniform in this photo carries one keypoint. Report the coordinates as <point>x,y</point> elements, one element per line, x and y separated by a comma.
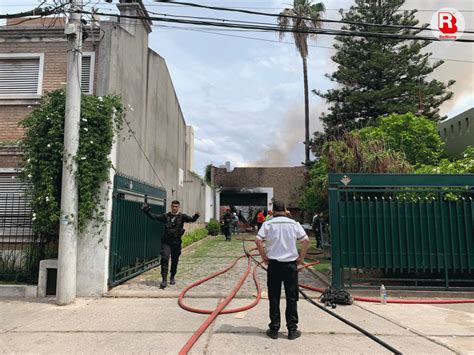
<point>171,242</point>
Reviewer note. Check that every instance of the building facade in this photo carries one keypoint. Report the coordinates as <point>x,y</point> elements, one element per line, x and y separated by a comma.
<point>457,133</point>
<point>256,188</point>
<point>116,60</point>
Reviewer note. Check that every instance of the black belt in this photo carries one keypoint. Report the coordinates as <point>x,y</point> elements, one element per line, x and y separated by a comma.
<point>281,262</point>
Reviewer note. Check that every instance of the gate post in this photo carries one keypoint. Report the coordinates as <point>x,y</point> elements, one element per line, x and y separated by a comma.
<point>335,241</point>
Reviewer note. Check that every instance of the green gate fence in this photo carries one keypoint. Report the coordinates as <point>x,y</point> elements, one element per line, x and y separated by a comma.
<point>136,240</point>
<point>404,224</point>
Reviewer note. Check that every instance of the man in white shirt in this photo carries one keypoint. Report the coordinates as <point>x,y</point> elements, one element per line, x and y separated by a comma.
<point>280,235</point>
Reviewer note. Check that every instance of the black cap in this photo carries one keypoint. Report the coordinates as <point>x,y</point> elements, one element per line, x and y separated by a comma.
<point>278,206</point>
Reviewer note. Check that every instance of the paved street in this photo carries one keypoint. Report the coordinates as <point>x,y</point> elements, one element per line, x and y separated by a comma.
<point>152,322</point>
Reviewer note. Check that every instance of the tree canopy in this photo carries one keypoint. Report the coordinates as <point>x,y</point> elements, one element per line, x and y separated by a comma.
<point>380,76</point>
<point>415,136</point>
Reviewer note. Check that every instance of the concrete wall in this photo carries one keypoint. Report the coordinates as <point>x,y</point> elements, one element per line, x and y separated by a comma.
<point>141,77</point>
<point>165,130</point>
<point>457,133</point>
<point>194,196</point>
<point>190,148</point>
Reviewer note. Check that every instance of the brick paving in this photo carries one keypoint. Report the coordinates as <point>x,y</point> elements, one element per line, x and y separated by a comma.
<point>209,256</point>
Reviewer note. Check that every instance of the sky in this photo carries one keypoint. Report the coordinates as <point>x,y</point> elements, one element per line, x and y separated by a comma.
<point>245,97</point>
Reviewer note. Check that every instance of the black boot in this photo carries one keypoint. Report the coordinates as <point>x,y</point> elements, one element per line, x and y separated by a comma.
<point>163,283</point>
<point>172,280</point>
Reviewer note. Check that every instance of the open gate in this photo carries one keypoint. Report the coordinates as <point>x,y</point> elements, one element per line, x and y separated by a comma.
<point>136,239</point>
<point>420,226</point>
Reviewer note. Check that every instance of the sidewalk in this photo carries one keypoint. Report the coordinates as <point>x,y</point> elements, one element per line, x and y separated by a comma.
<point>138,317</point>
<point>159,326</point>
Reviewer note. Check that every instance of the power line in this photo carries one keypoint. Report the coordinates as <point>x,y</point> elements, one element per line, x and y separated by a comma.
<point>146,157</point>
<point>219,19</point>
<point>327,9</point>
<point>39,11</point>
<point>171,5</point>
<point>218,8</point>
<point>289,29</point>
<point>285,42</point>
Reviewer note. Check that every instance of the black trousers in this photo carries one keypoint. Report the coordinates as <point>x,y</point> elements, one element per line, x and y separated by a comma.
<point>286,273</point>
<point>167,250</point>
<point>317,236</point>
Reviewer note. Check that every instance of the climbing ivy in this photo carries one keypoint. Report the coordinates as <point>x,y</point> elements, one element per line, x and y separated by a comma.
<point>43,147</point>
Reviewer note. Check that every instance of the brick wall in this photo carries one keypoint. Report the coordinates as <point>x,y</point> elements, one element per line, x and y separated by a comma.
<point>10,156</point>
<point>26,38</point>
<point>9,118</point>
<point>287,182</point>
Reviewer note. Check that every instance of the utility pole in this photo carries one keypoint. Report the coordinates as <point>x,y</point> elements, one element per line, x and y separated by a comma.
<point>67,254</point>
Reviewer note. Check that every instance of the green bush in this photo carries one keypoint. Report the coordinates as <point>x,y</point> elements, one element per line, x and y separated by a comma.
<point>213,227</point>
<point>43,148</point>
<point>193,236</point>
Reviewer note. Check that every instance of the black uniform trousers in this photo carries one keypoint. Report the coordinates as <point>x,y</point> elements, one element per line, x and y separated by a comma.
<point>167,250</point>
<point>286,272</point>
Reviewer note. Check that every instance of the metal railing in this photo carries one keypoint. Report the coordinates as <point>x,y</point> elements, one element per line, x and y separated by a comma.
<point>20,249</point>
<point>417,230</point>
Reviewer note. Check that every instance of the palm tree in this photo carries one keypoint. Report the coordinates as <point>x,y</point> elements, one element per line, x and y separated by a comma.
<point>305,15</point>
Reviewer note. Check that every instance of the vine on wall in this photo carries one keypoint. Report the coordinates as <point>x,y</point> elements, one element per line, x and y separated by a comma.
<point>43,144</point>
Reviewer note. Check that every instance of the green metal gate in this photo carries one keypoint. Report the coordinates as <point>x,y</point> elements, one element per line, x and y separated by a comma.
<point>402,223</point>
<point>136,240</point>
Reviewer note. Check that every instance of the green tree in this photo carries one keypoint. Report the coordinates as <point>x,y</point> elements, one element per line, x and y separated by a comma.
<point>465,165</point>
<point>379,76</point>
<point>208,174</point>
<point>353,153</point>
<point>416,136</point>
<point>305,16</point>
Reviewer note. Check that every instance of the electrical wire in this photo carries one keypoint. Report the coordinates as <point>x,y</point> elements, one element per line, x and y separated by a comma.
<point>289,29</point>
<point>39,11</point>
<point>171,5</point>
<point>285,42</point>
<point>218,8</point>
<point>146,157</point>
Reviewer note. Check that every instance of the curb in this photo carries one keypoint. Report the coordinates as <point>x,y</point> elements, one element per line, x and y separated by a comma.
<point>175,294</point>
<point>18,291</point>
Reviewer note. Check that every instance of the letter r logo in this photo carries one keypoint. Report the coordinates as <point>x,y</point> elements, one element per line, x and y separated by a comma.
<point>447,22</point>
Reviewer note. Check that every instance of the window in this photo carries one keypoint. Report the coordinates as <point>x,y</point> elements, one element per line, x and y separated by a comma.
<point>445,133</point>
<point>87,75</point>
<point>459,127</point>
<point>467,123</point>
<point>21,75</point>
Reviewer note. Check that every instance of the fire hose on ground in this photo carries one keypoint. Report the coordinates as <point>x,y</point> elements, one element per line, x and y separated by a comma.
<point>220,309</point>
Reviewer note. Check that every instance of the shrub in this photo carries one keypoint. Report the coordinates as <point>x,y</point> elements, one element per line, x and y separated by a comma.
<point>193,236</point>
<point>43,147</point>
<point>213,227</point>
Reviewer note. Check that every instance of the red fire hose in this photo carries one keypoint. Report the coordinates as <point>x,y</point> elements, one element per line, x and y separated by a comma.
<point>220,308</point>
<point>402,301</point>
<point>185,349</point>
